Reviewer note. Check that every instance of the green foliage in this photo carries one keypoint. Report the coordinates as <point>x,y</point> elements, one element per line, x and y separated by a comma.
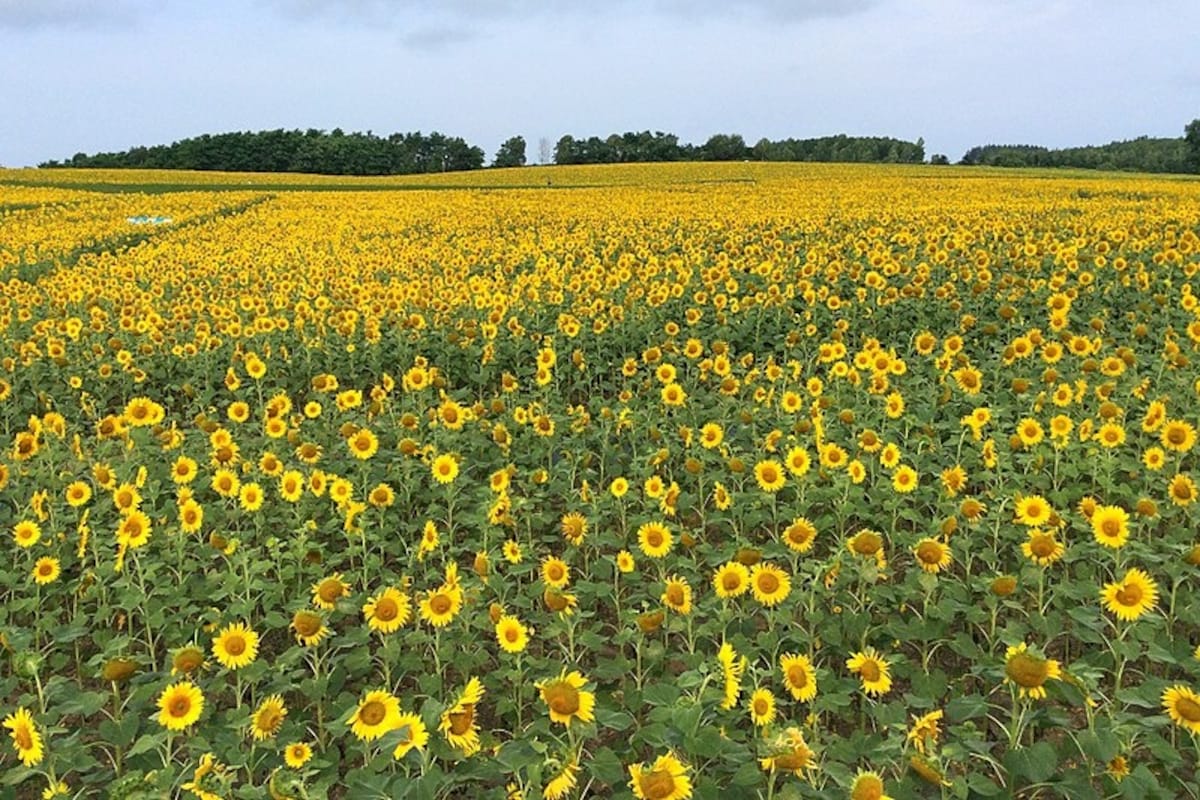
<point>311,151</point>
<point>511,153</point>
<point>1143,154</point>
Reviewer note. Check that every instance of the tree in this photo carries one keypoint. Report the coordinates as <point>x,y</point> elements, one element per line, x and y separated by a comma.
<point>1192,137</point>
<point>939,159</point>
<point>511,153</point>
<point>725,147</point>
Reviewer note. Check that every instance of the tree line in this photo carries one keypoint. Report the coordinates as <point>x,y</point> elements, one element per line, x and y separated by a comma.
<point>1143,154</point>
<point>312,151</point>
<point>338,153</point>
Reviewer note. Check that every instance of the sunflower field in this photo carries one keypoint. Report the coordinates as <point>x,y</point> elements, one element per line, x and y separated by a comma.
<point>653,481</point>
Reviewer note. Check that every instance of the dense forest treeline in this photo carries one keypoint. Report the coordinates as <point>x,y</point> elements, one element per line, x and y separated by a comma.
<point>1142,155</point>
<point>338,153</point>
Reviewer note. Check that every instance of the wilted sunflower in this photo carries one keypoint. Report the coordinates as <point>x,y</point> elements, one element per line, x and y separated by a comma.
<point>788,752</point>
<point>388,611</point>
<point>1029,671</point>
<point>654,539</point>
<point>799,676</point>
<point>413,735</point>
<point>1182,706</point>
<point>677,595</point>
<point>730,580</point>
<point>770,584</point>
<point>562,783</point>
<point>872,669</point>
<point>376,714</point>
<point>458,723</point>
<point>1110,526</point>
<point>566,700</point>
<point>925,731</point>
<point>180,705</point>
<point>236,646</point>
<point>933,556</point>
<point>26,739</point>
<point>665,779</point>
<point>268,718</point>
<point>1131,597</point>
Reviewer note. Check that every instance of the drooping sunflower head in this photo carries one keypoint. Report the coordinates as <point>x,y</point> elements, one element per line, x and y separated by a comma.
<point>665,779</point>
<point>1029,671</point>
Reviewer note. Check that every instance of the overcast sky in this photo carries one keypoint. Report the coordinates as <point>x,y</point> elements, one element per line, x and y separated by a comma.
<point>109,74</point>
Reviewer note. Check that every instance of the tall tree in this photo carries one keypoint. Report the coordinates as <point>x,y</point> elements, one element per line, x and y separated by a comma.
<point>1192,137</point>
<point>511,153</point>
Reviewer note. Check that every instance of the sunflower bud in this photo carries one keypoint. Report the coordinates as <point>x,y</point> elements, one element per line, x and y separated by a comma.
<point>119,670</point>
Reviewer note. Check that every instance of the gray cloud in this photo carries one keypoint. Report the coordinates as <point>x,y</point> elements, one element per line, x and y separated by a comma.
<point>437,36</point>
<point>34,14</point>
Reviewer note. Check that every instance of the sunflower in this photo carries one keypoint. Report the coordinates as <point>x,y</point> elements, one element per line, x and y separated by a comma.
<point>762,707</point>
<point>799,676</point>
<point>1182,490</point>
<point>191,516</point>
<point>625,562</point>
<point>1178,435</point>
<point>1029,671</point>
<point>388,611</point>
<point>872,669</point>
<point>1181,704</point>
<point>46,570</point>
<point>868,786</point>
<point>458,723</point>
<point>297,754</point>
<point>574,527</point>
<point>925,731</point>
<point>268,718</point>
<point>905,479</point>
<point>78,493</point>
<point>732,669</point>
<point>445,468</point>
<point>134,530</point>
<point>562,783</point>
<point>441,606</point>
<point>771,585</point>
<point>327,591</point>
<point>226,483</point>
<point>788,752</point>
<point>236,646</point>
<point>376,714</point>
<point>1110,526</point>
<point>363,444</point>
<point>665,779</point>
<point>932,555</point>
<point>250,497</point>
<point>27,533</point>
<point>677,595</point>
<point>731,580</point>
<point>1029,432</point>
<point>866,543</point>
<point>413,735</point>
<point>555,572</point>
<point>798,461</point>
<point>26,739</point>
<point>309,627</point>
<point>769,475</point>
<point>511,634</point>
<point>188,659</point>
<point>654,539</point>
<point>565,698</point>
<point>1132,597</point>
<point>180,705</point>
<point>800,535</point>
<point>1033,510</point>
<point>1042,548</point>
